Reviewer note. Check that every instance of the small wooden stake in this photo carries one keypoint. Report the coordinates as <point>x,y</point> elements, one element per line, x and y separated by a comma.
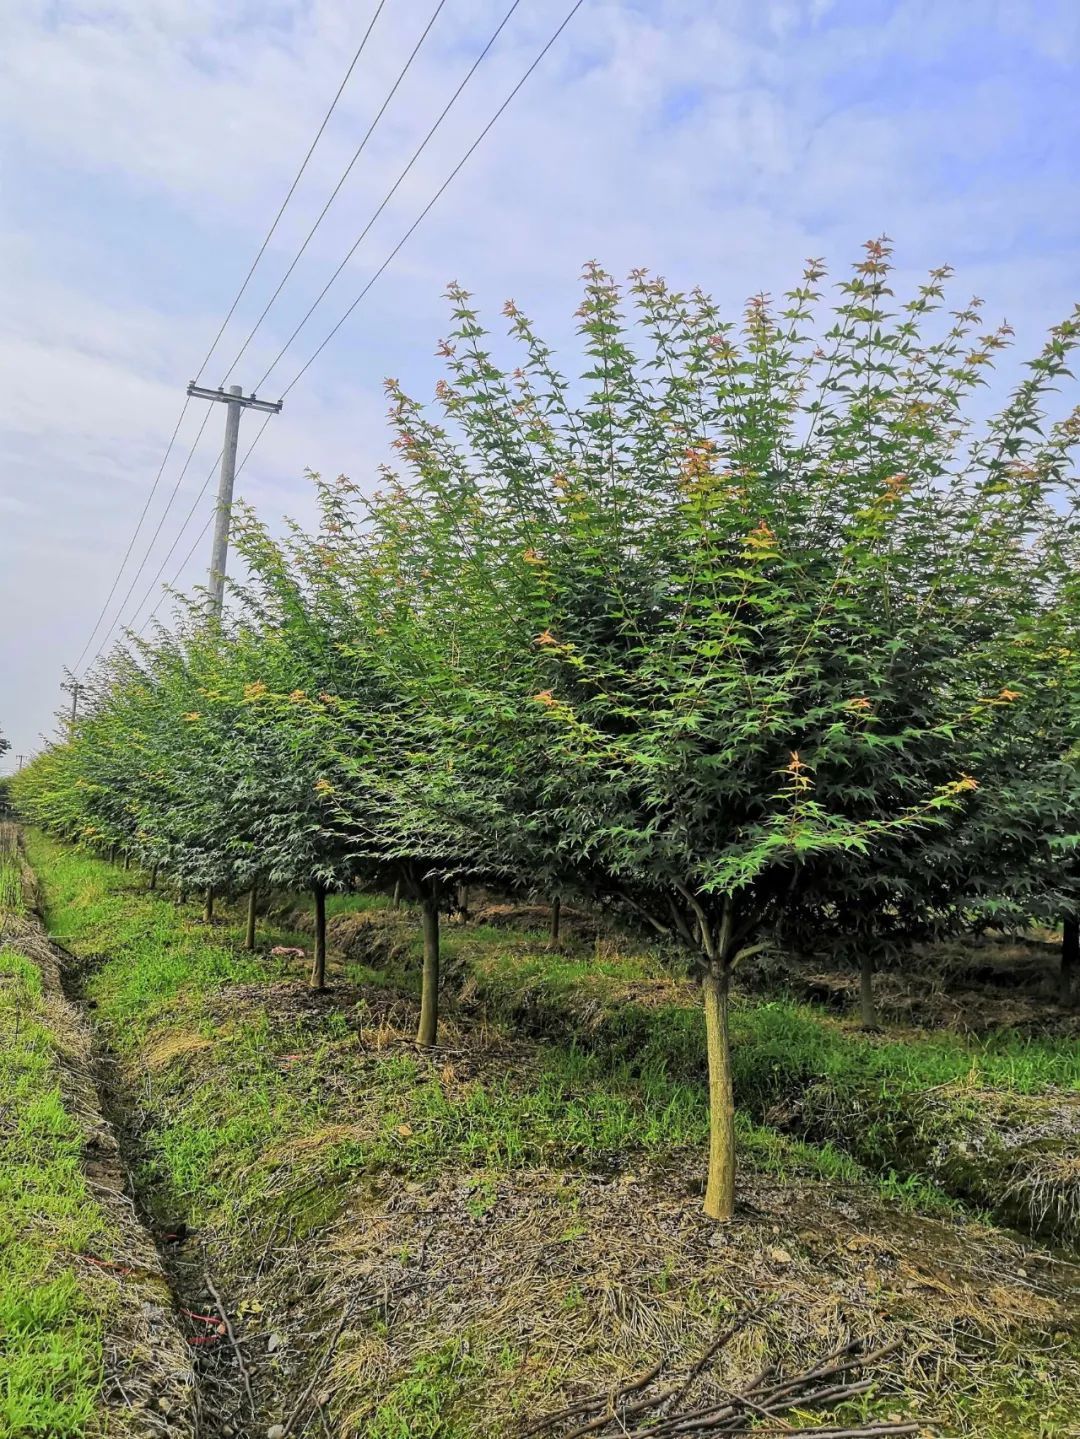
<point>318,966</point>
<point>249,933</point>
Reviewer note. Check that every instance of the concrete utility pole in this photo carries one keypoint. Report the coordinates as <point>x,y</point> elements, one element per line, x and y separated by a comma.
<point>75,688</point>
<point>236,400</point>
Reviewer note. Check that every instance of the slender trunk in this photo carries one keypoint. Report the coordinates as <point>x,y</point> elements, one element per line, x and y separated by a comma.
<point>153,878</point>
<point>1070,959</point>
<point>429,995</point>
<point>181,895</point>
<point>249,933</point>
<point>208,905</point>
<point>127,859</point>
<point>720,1190</point>
<point>463,901</point>
<point>867,1008</point>
<point>397,894</point>
<point>113,850</point>
<point>556,917</point>
<point>318,965</point>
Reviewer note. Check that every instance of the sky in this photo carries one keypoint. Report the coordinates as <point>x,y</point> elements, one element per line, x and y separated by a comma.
<point>146,145</point>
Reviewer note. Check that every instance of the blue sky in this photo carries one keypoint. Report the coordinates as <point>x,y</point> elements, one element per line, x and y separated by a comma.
<point>145,145</point>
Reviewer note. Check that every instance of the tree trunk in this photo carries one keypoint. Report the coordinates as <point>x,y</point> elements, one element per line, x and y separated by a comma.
<point>113,849</point>
<point>720,1190</point>
<point>868,1017</point>
<point>1070,958</point>
<point>556,917</point>
<point>397,894</point>
<point>127,859</point>
<point>153,878</point>
<point>463,901</point>
<point>318,965</point>
<point>208,905</point>
<point>429,995</point>
<point>249,933</point>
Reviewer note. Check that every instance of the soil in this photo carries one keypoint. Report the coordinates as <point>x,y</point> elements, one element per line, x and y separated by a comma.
<point>579,1278</point>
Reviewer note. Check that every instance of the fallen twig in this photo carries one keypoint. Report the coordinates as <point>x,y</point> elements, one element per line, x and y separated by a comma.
<point>663,1414</point>
<point>242,1366</point>
<point>320,1369</point>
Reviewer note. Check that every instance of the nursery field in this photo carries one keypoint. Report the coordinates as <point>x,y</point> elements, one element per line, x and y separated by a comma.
<point>474,1238</point>
<point>586,940</point>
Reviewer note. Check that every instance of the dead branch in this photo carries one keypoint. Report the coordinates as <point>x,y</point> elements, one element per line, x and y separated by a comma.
<point>241,1365</point>
<point>663,1413</point>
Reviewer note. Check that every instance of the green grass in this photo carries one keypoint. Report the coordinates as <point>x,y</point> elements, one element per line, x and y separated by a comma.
<point>927,1113</point>
<point>422,1404</point>
<point>50,1328</point>
<point>251,1121</point>
<point>610,1077</point>
<point>771,1038</point>
<point>247,1126</point>
<point>11,895</point>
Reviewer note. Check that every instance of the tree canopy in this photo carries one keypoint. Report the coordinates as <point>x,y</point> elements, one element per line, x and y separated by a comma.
<point>756,630</point>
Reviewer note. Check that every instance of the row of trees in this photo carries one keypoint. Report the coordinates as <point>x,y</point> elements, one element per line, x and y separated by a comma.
<point>753,632</point>
<point>5,746</point>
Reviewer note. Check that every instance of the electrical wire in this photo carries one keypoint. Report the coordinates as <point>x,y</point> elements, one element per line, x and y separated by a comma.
<point>364,232</point>
<point>296,180</point>
<point>206,359</point>
<point>432,202</point>
<point>389,259</point>
<point>157,532</point>
<point>198,539</point>
<point>398,182</point>
<point>335,191</point>
<point>173,547</point>
<point>131,543</point>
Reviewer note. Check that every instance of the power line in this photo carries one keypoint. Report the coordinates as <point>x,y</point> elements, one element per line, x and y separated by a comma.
<point>172,548</point>
<point>134,537</point>
<point>432,202</point>
<point>334,192</point>
<point>198,539</point>
<point>389,259</point>
<point>341,181</point>
<point>154,537</point>
<point>371,221</point>
<point>412,161</point>
<point>289,195</point>
<point>206,359</point>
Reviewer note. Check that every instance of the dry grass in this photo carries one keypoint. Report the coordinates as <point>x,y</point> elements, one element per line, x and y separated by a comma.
<point>558,1285</point>
<point>167,1049</point>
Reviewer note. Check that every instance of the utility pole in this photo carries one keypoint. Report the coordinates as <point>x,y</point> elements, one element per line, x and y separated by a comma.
<point>75,688</point>
<point>21,758</point>
<point>236,401</point>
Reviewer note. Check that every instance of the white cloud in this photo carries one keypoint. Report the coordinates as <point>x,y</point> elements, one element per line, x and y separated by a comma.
<point>716,146</point>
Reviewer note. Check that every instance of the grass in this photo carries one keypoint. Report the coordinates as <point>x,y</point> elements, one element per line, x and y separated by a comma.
<point>11,899</point>
<point>263,1112</point>
<point>255,1111</point>
<point>624,1084</point>
<point>987,1121</point>
<point>422,1404</point>
<point>777,1037</point>
<point>50,1325</point>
